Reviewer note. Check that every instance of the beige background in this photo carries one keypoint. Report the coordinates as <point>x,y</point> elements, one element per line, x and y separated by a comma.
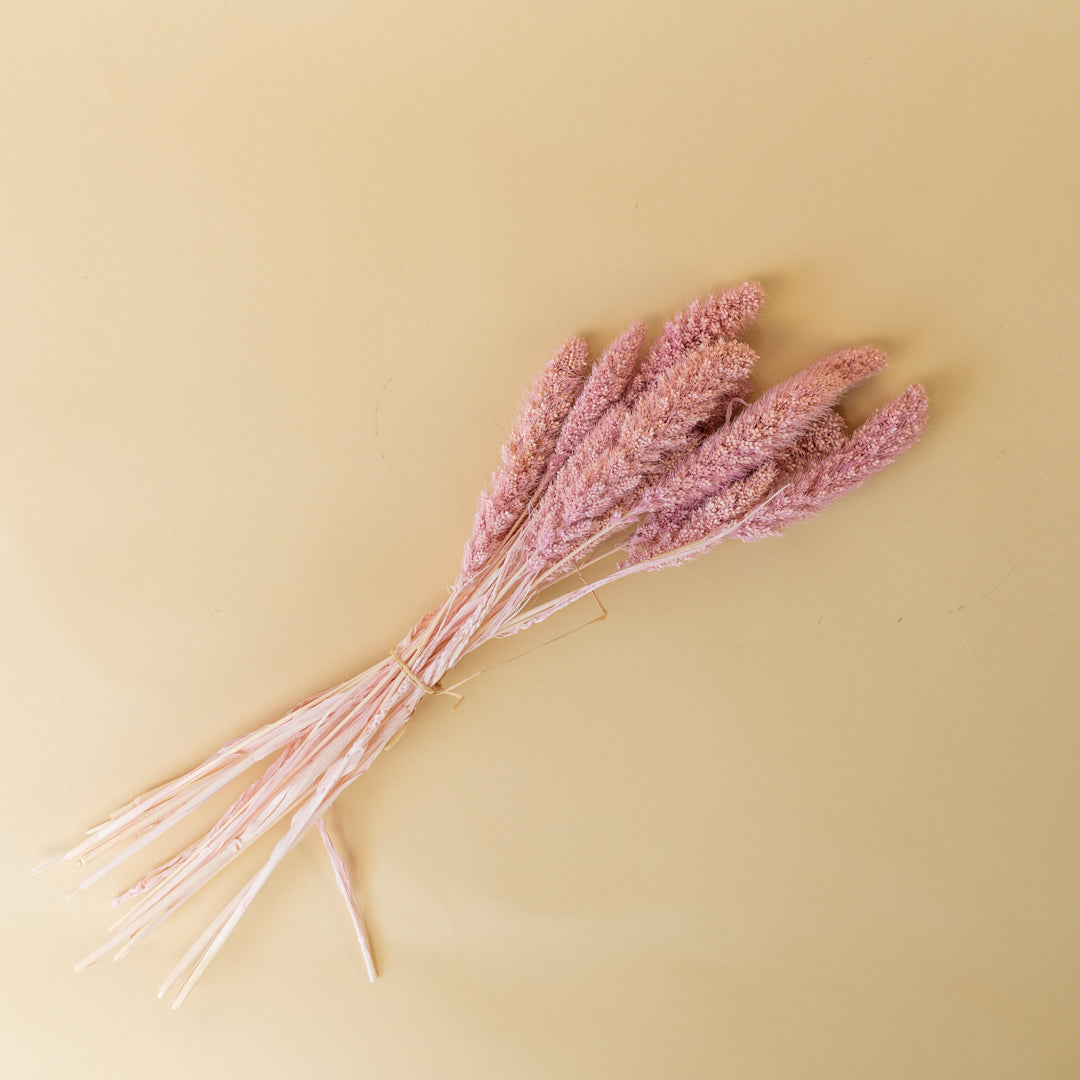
<point>272,280</point>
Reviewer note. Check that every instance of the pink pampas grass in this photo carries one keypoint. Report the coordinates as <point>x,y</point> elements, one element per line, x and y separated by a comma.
<point>763,429</point>
<point>528,450</point>
<point>720,317</point>
<point>650,464</point>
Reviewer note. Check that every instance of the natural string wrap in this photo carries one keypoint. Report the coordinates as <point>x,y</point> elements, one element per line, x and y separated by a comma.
<point>438,688</point>
<point>414,679</point>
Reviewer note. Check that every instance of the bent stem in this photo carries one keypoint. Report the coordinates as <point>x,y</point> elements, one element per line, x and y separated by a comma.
<point>341,876</point>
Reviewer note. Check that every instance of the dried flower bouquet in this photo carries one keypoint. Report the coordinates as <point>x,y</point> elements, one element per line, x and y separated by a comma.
<point>657,459</point>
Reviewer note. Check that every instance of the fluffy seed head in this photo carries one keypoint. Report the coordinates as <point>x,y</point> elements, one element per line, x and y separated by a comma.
<point>720,317</point>
<point>527,451</point>
<point>632,444</point>
<point>870,448</point>
<point>763,429</point>
<point>606,383</point>
<point>672,530</point>
<point>821,438</point>
<point>668,531</point>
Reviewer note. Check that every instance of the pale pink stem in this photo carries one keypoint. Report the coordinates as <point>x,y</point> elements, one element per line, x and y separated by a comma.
<point>341,875</point>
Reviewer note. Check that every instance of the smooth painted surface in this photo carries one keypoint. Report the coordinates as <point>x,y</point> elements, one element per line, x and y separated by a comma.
<point>273,278</point>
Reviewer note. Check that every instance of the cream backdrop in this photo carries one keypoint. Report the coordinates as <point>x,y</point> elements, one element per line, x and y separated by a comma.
<point>273,277</point>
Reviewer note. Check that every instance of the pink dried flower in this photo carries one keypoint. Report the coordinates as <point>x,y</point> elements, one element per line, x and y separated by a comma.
<point>762,429</point>
<point>527,451</point>
<point>571,480</point>
<point>668,530</point>
<point>871,447</point>
<point>821,438</point>
<point>605,385</point>
<point>720,317</point>
<point>632,444</point>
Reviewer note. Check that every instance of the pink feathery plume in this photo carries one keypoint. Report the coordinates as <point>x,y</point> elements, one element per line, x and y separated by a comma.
<point>633,443</point>
<point>871,447</point>
<point>607,382</point>
<point>718,317</point>
<point>527,452</point>
<point>667,530</point>
<point>762,429</point>
<point>822,438</point>
<point>664,533</point>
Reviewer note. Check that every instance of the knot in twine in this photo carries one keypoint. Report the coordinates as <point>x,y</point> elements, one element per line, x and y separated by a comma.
<point>438,687</point>
<point>411,675</point>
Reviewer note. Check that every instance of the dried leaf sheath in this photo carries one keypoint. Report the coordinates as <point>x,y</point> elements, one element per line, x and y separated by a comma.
<point>651,464</point>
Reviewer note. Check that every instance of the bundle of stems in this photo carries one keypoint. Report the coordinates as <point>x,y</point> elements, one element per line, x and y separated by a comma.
<point>655,459</point>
